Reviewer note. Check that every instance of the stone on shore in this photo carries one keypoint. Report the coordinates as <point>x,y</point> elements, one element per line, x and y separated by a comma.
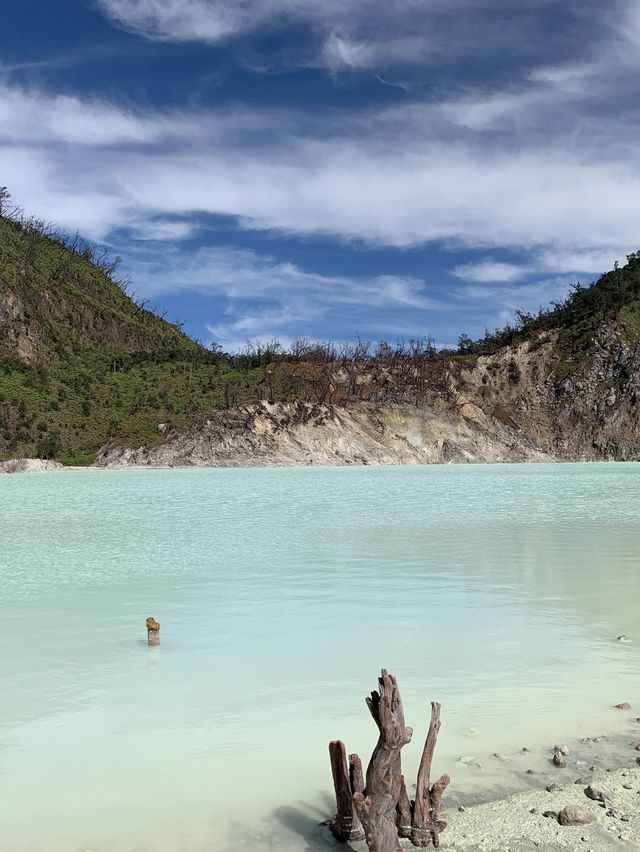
<point>576,815</point>
<point>598,793</point>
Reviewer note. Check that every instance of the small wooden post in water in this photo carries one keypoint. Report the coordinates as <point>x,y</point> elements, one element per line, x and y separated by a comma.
<point>153,631</point>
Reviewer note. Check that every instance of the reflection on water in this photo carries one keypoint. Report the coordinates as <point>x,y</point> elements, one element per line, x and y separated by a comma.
<point>497,590</point>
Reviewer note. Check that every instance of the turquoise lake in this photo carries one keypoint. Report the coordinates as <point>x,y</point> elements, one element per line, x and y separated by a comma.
<point>496,590</point>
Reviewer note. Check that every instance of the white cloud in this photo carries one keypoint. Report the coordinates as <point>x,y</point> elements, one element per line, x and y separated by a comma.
<point>346,33</point>
<point>264,297</point>
<point>489,271</point>
<point>242,274</point>
<point>397,177</point>
<point>505,299</point>
<point>545,167</point>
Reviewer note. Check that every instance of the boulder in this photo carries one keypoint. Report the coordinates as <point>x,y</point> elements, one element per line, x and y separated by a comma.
<point>576,815</point>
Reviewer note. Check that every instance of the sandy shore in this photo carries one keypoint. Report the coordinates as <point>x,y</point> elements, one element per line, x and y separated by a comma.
<point>517,823</point>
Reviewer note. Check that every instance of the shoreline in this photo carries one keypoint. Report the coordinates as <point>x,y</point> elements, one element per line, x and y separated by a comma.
<point>31,466</point>
<point>527,819</point>
<point>518,823</point>
<point>520,813</point>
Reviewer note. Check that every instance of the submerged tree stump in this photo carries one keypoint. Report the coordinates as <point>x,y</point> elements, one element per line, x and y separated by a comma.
<point>345,826</point>
<point>153,631</point>
<point>425,824</point>
<point>381,806</point>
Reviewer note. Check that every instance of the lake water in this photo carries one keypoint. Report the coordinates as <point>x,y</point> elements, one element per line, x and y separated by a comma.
<point>497,590</point>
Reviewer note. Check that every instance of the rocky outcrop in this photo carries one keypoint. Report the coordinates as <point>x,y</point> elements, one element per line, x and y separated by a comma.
<point>575,404</point>
<point>539,400</point>
<point>30,466</point>
<point>289,434</point>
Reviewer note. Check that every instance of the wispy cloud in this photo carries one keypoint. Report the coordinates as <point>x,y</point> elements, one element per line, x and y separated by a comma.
<point>260,295</point>
<point>397,177</point>
<point>357,33</point>
<point>491,271</point>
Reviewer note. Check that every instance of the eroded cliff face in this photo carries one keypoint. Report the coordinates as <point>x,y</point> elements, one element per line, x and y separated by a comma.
<point>288,434</point>
<point>574,404</point>
<point>530,402</point>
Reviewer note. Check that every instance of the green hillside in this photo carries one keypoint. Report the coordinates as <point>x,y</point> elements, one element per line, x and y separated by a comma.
<point>81,364</point>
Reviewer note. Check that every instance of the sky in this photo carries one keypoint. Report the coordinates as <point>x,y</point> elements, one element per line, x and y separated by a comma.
<point>330,168</point>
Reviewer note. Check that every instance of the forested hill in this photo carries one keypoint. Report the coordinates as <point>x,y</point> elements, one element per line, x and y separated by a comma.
<point>82,365</point>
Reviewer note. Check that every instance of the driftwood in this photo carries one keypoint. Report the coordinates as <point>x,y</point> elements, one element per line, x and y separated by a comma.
<point>381,806</point>
<point>153,631</point>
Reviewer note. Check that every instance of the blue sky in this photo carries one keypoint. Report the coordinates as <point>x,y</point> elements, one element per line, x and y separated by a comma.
<point>284,168</point>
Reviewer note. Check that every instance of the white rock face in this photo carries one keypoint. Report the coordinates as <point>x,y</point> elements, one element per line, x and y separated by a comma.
<point>30,466</point>
<point>302,433</point>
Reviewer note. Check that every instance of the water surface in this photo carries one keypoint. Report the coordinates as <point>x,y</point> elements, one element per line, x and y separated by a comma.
<point>497,590</point>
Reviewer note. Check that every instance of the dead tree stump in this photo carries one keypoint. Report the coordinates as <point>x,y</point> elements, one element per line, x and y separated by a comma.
<point>377,805</point>
<point>382,804</point>
<point>153,631</point>
<point>425,824</point>
<point>345,826</point>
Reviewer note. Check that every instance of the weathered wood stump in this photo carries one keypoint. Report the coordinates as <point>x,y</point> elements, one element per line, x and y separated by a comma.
<point>425,824</point>
<point>153,631</point>
<point>382,804</point>
<point>345,826</point>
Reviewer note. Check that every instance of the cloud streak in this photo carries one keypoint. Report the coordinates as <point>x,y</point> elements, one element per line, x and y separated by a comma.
<point>361,34</point>
<point>397,177</point>
<point>266,297</point>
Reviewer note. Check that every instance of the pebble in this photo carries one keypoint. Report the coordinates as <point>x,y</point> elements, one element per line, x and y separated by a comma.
<point>583,781</point>
<point>551,788</point>
<point>467,760</point>
<point>623,706</point>
<point>627,787</point>
<point>624,638</point>
<point>637,747</point>
<point>625,818</point>
<point>524,749</point>
<point>530,772</point>
<point>462,809</point>
<point>563,749</point>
